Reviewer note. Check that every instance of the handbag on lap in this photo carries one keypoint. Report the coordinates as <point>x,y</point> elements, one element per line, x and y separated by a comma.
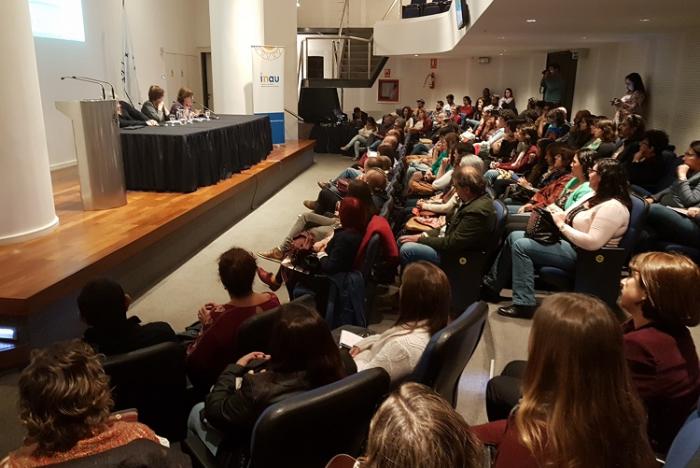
<point>542,228</point>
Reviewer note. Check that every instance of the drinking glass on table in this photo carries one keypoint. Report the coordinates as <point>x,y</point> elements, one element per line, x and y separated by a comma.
<point>207,114</point>
<point>171,118</point>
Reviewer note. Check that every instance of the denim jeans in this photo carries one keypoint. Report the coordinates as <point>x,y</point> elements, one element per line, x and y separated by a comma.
<point>664,224</point>
<point>322,227</point>
<point>413,251</point>
<point>517,261</point>
<point>349,173</point>
<point>356,142</point>
<point>209,436</point>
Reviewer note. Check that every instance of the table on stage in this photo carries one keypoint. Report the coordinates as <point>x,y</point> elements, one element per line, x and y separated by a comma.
<point>184,157</point>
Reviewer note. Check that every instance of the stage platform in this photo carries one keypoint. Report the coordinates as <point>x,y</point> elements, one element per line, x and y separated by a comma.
<point>137,244</point>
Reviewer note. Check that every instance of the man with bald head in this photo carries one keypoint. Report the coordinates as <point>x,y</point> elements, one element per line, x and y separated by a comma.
<point>469,228</point>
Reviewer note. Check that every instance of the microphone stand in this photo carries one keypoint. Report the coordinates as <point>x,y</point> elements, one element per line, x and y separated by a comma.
<point>87,80</point>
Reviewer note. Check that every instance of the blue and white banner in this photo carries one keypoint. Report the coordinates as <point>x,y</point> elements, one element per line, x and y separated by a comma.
<point>268,87</point>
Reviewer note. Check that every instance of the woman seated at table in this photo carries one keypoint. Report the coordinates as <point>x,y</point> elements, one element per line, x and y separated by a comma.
<point>132,117</point>
<point>579,406</point>
<point>154,108</point>
<point>597,221</point>
<point>424,306</point>
<point>674,214</point>
<point>303,357</point>
<point>185,99</point>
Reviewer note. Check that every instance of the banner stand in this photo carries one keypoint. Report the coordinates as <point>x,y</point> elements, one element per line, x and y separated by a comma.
<point>268,87</point>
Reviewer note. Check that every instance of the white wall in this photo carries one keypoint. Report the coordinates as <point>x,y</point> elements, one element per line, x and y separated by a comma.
<point>459,76</point>
<point>327,13</point>
<point>167,36</point>
<point>670,67</point>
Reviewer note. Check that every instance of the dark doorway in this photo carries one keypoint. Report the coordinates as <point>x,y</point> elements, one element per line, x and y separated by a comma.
<point>314,67</point>
<point>568,66</point>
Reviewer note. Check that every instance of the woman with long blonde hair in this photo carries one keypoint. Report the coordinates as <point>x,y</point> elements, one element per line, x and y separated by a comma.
<point>579,407</point>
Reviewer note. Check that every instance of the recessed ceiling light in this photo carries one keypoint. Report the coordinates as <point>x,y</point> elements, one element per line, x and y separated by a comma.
<point>531,20</point>
<point>645,20</point>
<point>501,53</point>
<point>501,37</point>
<point>415,55</point>
<point>584,37</point>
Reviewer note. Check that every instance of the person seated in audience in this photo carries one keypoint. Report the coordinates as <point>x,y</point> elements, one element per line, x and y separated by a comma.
<point>131,117</point>
<point>508,101</point>
<point>103,305</point>
<point>424,306</point>
<point>386,124</point>
<point>65,406</point>
<point>647,166</point>
<point>579,406</point>
<point>420,105</point>
<point>469,228</point>
<point>674,214</point>
<point>215,345</point>
<point>154,108</point>
<point>185,100</point>
<point>427,168</point>
<point>466,110</point>
<point>421,128</point>
<point>524,157</point>
<point>326,202</point>
<point>631,132</point>
<point>657,345</point>
<point>380,161</point>
<point>661,296</point>
<point>415,427</point>
<point>550,193</point>
<point>633,100</point>
<point>363,137</point>
<point>474,121</point>
<point>575,189</point>
<point>580,133</point>
<point>554,125</point>
<point>337,251</point>
<point>602,138</point>
<point>359,118</point>
<point>595,222</point>
<point>490,139</point>
<point>303,356</point>
<point>319,226</point>
<point>450,106</point>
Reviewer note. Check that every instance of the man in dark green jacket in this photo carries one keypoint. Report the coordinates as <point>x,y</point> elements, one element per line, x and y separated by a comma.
<point>469,228</point>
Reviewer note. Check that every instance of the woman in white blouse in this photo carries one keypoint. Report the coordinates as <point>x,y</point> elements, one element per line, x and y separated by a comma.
<point>595,221</point>
<point>424,303</point>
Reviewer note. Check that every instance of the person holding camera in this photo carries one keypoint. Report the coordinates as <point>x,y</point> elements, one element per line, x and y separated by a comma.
<point>632,102</point>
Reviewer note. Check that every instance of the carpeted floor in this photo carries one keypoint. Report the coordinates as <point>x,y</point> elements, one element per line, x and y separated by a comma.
<point>177,298</point>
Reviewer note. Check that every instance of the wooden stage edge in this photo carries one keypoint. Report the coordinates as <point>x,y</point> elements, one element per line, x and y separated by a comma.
<point>162,228</point>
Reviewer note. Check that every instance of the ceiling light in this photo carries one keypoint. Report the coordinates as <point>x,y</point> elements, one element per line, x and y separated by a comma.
<point>645,20</point>
<point>584,37</point>
<point>501,37</point>
<point>415,55</point>
<point>298,4</point>
<point>531,20</point>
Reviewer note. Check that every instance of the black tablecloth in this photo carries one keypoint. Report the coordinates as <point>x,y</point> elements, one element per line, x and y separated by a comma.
<point>329,139</point>
<point>183,158</point>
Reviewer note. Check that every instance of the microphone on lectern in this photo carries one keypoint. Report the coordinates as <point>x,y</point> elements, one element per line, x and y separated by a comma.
<point>87,80</point>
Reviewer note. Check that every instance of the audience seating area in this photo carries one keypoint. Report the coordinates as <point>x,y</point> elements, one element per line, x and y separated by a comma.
<point>431,197</point>
<point>419,8</point>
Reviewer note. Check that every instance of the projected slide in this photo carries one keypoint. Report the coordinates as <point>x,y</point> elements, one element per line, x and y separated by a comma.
<point>57,19</point>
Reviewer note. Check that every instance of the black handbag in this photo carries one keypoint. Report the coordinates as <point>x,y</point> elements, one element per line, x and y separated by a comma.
<point>542,228</point>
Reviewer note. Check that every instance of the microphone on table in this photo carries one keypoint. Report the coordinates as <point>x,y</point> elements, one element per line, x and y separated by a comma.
<point>87,80</point>
<point>211,112</point>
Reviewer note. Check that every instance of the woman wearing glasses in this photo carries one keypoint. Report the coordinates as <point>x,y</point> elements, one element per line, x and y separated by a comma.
<point>594,222</point>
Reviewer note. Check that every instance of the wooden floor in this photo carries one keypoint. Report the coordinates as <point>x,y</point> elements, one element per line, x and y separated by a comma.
<point>36,272</point>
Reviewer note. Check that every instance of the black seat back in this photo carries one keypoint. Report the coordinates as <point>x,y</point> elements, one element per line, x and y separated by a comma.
<point>254,333</point>
<point>307,430</point>
<point>449,351</point>
<point>153,381</point>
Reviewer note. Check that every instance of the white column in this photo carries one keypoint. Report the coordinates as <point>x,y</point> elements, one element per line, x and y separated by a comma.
<point>26,197</point>
<point>235,25</point>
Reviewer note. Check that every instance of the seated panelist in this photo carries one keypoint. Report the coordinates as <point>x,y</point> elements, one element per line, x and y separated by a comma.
<point>154,108</point>
<point>129,116</point>
<point>185,100</point>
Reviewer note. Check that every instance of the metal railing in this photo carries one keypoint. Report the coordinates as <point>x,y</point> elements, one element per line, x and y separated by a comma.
<point>344,42</point>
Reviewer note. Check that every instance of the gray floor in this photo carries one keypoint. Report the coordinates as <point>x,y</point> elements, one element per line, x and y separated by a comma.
<point>177,298</point>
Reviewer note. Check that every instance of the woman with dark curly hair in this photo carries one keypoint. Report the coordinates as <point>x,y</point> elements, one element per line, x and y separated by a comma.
<point>594,222</point>
<point>65,405</point>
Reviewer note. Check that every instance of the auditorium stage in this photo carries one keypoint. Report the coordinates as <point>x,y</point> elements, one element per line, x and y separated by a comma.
<point>137,244</point>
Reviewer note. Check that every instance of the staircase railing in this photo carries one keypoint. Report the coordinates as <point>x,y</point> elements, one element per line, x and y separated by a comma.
<point>304,56</point>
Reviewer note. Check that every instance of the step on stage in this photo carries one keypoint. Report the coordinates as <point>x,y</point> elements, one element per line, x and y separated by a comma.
<point>137,244</point>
